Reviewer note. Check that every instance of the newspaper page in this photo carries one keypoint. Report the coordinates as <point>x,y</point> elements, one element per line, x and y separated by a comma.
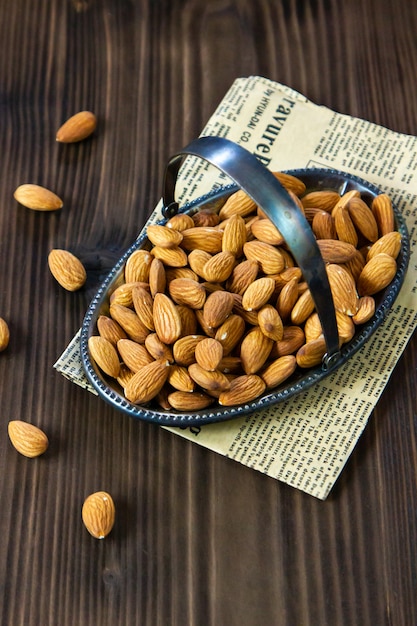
<point>307,440</point>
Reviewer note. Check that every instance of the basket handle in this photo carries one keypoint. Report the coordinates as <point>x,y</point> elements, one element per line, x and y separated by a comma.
<point>261,185</point>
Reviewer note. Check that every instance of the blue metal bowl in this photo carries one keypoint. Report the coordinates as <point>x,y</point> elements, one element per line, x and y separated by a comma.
<point>109,390</point>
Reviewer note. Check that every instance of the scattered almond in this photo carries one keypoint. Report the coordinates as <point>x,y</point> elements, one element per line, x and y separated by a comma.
<point>37,198</point>
<point>77,127</point>
<point>98,514</point>
<point>28,439</point>
<point>4,334</point>
<point>67,269</point>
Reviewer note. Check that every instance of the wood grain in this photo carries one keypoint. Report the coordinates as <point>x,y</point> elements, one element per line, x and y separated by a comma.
<point>199,539</point>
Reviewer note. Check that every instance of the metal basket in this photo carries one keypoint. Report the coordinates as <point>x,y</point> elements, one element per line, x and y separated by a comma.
<point>259,183</point>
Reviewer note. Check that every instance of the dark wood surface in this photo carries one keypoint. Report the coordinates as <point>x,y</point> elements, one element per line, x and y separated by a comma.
<point>199,539</point>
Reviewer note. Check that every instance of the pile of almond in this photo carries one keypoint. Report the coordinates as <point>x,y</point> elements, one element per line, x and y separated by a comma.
<point>217,309</point>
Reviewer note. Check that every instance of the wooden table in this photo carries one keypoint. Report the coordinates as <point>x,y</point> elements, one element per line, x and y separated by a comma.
<point>199,539</point>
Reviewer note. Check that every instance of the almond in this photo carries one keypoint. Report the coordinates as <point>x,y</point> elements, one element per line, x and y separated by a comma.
<point>157,349</point>
<point>130,322</point>
<point>123,293</point>
<point>67,269</point>
<point>172,273</point>
<point>239,203</point>
<point>210,380</point>
<point>243,389</point>
<point>334,251</point>
<point>384,213</point>
<point>186,401</point>
<point>125,374</point>
<point>197,260</point>
<point>377,274</point>
<point>147,382</point>
<point>254,350</point>
<point>133,354</point>
<point>167,320</point>
<point>180,222</point>
<point>184,349</point>
<point>258,293</point>
<point>105,355</point>
<point>180,379</point>
<point>230,333</point>
<point>343,288</point>
<point>230,365</point>
<point>157,277</point>
<point>143,305</point>
<point>188,320</point>
<point>234,236</point>
<point>28,439</point>
<point>110,330</point>
<point>291,183</point>
<point>345,228</point>
<point>242,276</point>
<point>98,514</point>
<point>323,226</point>
<point>390,244</point>
<point>302,308</point>
<point>287,298</point>
<point>292,339</point>
<point>365,311</point>
<point>206,217</point>
<point>269,258</point>
<point>4,334</point>
<point>37,198</point>
<point>279,370</point>
<point>363,218</point>
<point>173,257</point>
<point>205,238</point>
<point>219,267</point>
<point>270,322</point>
<point>209,353</point>
<point>138,266</point>
<point>323,200</point>
<point>264,230</point>
<point>187,292</point>
<point>217,308</point>
<point>311,353</point>
<point>163,236</point>
<point>77,127</point>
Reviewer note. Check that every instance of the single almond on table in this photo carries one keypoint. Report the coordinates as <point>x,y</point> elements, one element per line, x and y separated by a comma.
<point>28,439</point>
<point>98,514</point>
<point>77,127</point>
<point>37,198</point>
<point>4,334</point>
<point>67,269</point>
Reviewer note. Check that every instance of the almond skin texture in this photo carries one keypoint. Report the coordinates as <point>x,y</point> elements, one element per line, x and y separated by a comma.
<point>76,128</point>
<point>98,514</point>
<point>37,198</point>
<point>279,370</point>
<point>28,439</point>
<point>4,334</point>
<point>377,274</point>
<point>242,389</point>
<point>147,382</point>
<point>105,355</point>
<point>186,401</point>
<point>67,270</point>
